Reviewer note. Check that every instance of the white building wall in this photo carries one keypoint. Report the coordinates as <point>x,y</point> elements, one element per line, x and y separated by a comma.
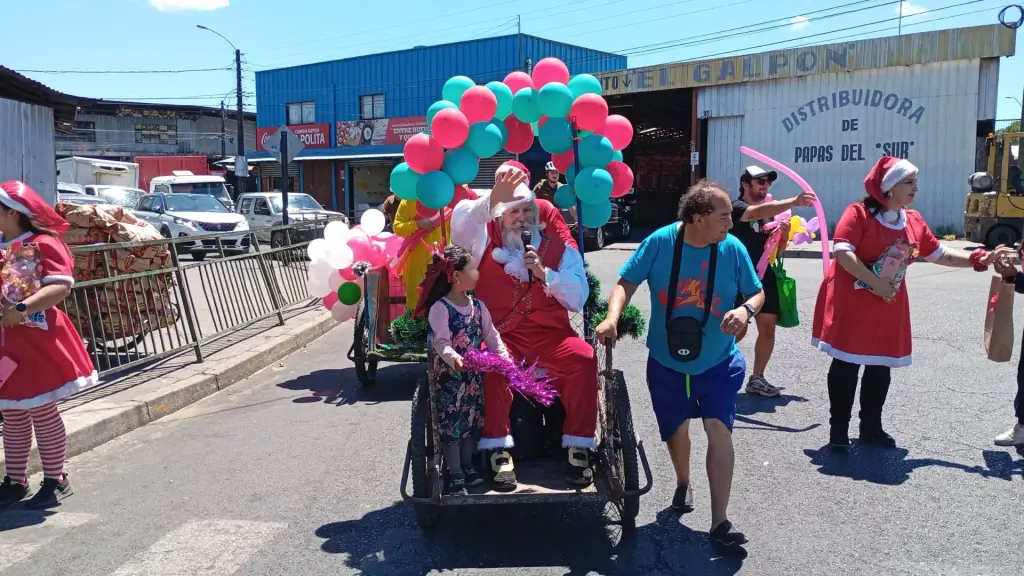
<point>927,113</point>
<point>27,150</point>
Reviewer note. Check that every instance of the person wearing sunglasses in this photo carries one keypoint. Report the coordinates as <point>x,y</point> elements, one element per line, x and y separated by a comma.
<point>750,213</point>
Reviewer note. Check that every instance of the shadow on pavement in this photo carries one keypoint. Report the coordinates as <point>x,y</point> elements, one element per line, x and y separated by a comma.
<point>395,383</point>
<point>891,466</point>
<point>1001,465</point>
<point>389,542</point>
<point>17,516</point>
<point>749,404</point>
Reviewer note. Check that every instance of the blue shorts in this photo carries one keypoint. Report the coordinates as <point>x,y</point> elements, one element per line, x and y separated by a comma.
<point>678,397</point>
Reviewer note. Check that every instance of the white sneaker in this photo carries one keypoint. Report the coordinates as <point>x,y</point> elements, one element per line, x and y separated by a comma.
<point>1012,437</point>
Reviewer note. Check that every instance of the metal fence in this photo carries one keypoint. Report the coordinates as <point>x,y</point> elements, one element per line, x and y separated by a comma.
<point>128,318</point>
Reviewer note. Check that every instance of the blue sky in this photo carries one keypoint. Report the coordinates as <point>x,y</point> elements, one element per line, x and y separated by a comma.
<point>148,35</point>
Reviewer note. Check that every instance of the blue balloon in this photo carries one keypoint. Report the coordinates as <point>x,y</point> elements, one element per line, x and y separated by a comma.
<point>570,173</point>
<point>556,136</point>
<point>592,185</point>
<point>596,151</point>
<point>565,197</point>
<point>437,107</point>
<point>435,189</point>
<point>503,94</point>
<point>596,215</point>
<point>455,87</point>
<point>461,165</point>
<point>584,84</point>
<point>524,105</point>
<point>484,139</point>
<point>404,181</point>
<point>504,130</point>
<point>554,100</point>
<point>617,157</point>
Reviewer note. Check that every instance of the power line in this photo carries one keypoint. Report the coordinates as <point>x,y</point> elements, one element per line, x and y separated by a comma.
<point>124,71</point>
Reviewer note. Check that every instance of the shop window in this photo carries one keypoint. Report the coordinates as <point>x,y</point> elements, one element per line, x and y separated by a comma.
<point>371,107</point>
<point>301,113</point>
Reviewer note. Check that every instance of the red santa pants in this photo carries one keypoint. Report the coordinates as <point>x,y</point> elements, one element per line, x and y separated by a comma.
<point>565,357</point>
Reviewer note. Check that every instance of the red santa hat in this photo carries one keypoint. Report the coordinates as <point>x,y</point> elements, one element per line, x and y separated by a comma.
<point>886,173</point>
<point>523,192</point>
<point>19,197</point>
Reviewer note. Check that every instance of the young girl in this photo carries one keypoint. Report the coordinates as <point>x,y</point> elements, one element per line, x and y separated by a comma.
<point>458,322</point>
<point>42,358</point>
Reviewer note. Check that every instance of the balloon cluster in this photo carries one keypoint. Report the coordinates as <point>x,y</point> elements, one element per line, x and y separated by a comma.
<point>338,257</point>
<point>473,122</point>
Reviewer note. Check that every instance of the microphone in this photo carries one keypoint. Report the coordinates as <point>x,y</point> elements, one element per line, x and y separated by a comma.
<point>527,237</point>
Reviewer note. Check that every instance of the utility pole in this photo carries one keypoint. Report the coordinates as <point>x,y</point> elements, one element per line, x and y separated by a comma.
<point>223,131</point>
<point>240,137</point>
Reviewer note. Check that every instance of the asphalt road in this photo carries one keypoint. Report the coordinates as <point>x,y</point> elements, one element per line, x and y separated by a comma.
<point>296,472</point>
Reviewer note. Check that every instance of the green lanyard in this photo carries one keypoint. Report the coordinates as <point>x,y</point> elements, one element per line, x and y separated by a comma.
<point>687,385</point>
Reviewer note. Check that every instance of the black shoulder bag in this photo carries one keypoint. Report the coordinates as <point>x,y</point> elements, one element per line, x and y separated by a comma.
<point>686,334</point>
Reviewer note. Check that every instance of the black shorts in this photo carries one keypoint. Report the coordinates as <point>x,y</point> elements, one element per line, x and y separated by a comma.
<point>771,294</point>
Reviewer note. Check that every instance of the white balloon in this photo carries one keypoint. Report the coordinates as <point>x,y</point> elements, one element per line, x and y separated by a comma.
<point>317,287</point>
<point>339,256</point>
<point>342,313</point>
<point>383,236</point>
<point>373,221</point>
<point>335,232</point>
<point>334,281</point>
<point>317,249</point>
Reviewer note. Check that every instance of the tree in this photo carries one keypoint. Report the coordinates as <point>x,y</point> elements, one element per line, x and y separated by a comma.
<point>1012,127</point>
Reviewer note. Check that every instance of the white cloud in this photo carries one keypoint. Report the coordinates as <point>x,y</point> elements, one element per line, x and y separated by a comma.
<point>799,23</point>
<point>910,9</point>
<point>186,5</point>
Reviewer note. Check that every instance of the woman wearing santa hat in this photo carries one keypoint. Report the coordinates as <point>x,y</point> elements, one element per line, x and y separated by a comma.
<point>42,358</point>
<point>862,315</point>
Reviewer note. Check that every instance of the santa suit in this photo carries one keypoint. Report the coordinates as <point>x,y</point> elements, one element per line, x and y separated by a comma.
<point>532,318</point>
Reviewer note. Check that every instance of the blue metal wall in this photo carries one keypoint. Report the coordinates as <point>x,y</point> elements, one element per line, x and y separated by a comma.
<point>410,80</point>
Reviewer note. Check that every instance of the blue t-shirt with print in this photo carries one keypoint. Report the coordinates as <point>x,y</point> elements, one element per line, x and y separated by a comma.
<point>734,274</point>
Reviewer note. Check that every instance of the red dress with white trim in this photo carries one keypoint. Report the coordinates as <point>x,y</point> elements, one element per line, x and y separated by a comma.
<point>852,324</point>
<point>52,360</point>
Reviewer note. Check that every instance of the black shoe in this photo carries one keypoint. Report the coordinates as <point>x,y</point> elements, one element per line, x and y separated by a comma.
<point>473,478</point>
<point>456,486</point>
<point>682,502</point>
<point>50,493</point>
<point>877,436</point>
<point>723,534</point>
<point>12,492</point>
<point>839,439</point>
<point>503,471</point>
<point>577,468</point>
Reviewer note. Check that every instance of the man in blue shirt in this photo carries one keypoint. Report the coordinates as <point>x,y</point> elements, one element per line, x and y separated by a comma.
<point>705,387</point>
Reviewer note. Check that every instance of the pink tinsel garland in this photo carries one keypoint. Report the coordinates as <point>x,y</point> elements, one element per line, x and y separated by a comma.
<point>521,378</point>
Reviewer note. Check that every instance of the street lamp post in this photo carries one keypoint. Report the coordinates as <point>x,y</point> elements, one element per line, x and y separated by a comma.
<point>240,138</point>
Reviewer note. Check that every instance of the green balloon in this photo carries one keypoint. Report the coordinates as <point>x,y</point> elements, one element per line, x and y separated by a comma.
<point>617,156</point>
<point>461,165</point>
<point>455,87</point>
<point>504,96</point>
<point>565,197</point>
<point>554,100</point>
<point>349,293</point>
<point>524,105</point>
<point>437,107</point>
<point>403,181</point>
<point>556,136</point>
<point>485,139</point>
<point>584,84</point>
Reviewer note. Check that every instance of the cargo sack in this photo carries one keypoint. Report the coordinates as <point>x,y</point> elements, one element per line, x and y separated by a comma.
<point>999,321</point>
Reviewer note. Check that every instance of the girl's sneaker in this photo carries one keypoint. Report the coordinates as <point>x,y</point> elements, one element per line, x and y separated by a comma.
<point>51,493</point>
<point>457,486</point>
<point>12,492</point>
<point>473,478</point>
<point>1012,437</point>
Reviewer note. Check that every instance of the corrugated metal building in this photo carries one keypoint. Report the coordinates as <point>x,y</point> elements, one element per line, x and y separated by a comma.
<point>354,115</point>
<point>29,114</point>
<point>830,111</point>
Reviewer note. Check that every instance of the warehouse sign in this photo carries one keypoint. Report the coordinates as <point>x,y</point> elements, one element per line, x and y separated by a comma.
<point>379,132</point>
<point>958,44</point>
<point>311,135</point>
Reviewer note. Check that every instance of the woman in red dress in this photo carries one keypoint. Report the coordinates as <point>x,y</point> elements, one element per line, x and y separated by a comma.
<point>42,358</point>
<point>862,315</point>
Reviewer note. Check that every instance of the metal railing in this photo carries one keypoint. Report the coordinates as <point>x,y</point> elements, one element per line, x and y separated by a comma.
<point>173,305</point>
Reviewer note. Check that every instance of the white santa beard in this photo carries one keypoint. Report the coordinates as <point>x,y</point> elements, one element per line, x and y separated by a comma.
<point>512,238</point>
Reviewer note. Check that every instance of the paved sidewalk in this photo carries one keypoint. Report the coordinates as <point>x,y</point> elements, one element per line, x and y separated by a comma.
<point>812,250</point>
<point>138,397</point>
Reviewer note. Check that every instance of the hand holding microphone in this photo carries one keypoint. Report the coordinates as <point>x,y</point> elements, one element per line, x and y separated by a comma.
<point>530,257</point>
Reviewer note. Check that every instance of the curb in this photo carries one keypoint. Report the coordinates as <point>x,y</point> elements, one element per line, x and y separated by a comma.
<point>108,420</point>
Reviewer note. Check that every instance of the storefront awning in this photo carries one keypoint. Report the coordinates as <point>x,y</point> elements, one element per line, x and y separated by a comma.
<point>342,153</point>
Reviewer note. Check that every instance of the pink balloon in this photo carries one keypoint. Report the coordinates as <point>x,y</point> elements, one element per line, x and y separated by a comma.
<point>393,245</point>
<point>618,130</point>
<point>516,81</point>
<point>330,300</point>
<point>478,104</point>
<point>462,193</point>
<point>378,254</point>
<point>520,135</point>
<point>590,111</point>
<point>424,212</point>
<point>423,153</point>
<point>563,161</point>
<point>549,70</point>
<point>622,178</point>
<point>360,245</point>
<point>348,274</point>
<point>450,127</point>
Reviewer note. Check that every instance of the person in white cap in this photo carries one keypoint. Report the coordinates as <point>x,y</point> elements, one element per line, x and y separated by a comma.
<point>546,188</point>
<point>750,213</point>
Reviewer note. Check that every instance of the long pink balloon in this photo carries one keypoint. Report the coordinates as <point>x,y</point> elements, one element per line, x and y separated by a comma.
<point>826,252</point>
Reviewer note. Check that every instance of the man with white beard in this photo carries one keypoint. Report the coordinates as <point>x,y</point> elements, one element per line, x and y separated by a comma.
<point>530,289</point>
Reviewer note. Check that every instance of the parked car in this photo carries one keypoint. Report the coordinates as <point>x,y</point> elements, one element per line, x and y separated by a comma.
<point>79,199</point>
<point>185,182</point>
<point>182,215</point>
<point>69,188</point>
<point>122,196</point>
<point>618,226</point>
<point>263,210</point>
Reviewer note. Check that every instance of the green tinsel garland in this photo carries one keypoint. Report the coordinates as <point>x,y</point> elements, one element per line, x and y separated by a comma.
<point>406,331</point>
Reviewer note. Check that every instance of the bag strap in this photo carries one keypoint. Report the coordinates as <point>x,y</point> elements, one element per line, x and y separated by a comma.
<point>708,296</point>
<point>677,258</point>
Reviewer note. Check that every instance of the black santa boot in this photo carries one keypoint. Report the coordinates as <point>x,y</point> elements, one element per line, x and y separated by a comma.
<point>502,470</point>
<point>842,389</point>
<point>874,388</point>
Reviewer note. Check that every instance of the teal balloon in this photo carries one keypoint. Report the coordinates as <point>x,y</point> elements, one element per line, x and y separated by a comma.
<point>592,185</point>
<point>570,174</point>
<point>404,181</point>
<point>565,197</point>
<point>485,139</point>
<point>504,96</point>
<point>617,157</point>
<point>437,107</point>
<point>596,215</point>
<point>455,87</point>
<point>435,190</point>
<point>524,105</point>
<point>596,151</point>
<point>536,128</point>
<point>556,136</point>
<point>584,84</point>
<point>504,130</point>
<point>554,100</point>
<point>461,165</point>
